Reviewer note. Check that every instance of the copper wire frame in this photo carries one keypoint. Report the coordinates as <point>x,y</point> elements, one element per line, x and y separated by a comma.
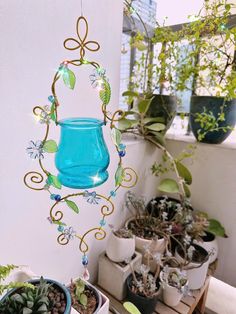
<point>33,177</point>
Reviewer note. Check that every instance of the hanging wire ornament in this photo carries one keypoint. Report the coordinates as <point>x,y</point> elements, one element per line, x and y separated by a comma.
<point>44,180</point>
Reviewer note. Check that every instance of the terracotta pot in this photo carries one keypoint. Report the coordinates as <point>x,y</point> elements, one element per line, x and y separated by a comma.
<point>120,249</point>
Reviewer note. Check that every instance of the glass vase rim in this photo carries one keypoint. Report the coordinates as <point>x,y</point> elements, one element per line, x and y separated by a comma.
<point>81,123</point>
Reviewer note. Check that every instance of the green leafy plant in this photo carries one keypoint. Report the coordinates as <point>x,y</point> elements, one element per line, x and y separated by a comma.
<point>137,123</point>
<point>4,273</point>
<point>80,288</point>
<point>212,63</point>
<point>28,300</point>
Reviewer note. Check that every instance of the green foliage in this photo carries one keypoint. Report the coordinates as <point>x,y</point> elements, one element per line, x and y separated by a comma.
<point>116,136</point>
<point>53,112</point>
<point>136,119</point>
<point>119,175</point>
<point>68,77</point>
<point>216,228</point>
<point>211,62</point>
<point>168,186</point>
<point>105,92</point>
<point>50,146</point>
<point>131,308</point>
<point>27,300</point>
<point>210,123</point>
<point>4,273</point>
<point>79,292</point>
<point>184,172</point>
<point>213,225</point>
<point>54,181</point>
<point>73,206</point>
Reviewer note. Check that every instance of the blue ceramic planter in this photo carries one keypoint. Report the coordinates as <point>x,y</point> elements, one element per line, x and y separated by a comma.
<point>53,282</point>
<point>82,158</point>
<point>213,104</point>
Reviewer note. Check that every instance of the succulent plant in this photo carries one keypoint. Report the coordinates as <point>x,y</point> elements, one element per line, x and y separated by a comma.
<point>79,292</point>
<point>124,233</point>
<point>27,300</point>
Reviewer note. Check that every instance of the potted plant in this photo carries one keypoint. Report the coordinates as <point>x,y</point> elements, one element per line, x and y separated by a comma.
<point>143,289</point>
<point>211,65</point>
<point>143,225</point>
<point>195,262</point>
<point>213,228</point>
<point>120,245</point>
<point>174,285</point>
<point>43,296</point>
<point>4,273</point>
<point>85,298</point>
<point>154,73</point>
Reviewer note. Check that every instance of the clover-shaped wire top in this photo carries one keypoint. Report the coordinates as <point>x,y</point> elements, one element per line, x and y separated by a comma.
<point>81,42</point>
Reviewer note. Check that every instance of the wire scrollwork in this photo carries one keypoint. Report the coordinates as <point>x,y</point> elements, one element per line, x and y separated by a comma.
<point>35,178</point>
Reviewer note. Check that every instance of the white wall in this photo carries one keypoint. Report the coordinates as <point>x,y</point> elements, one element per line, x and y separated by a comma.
<point>31,49</point>
<point>213,191</point>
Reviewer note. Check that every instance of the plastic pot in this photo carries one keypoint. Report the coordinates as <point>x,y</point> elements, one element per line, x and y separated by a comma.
<point>213,104</point>
<point>196,271</point>
<point>144,304</point>
<point>120,249</point>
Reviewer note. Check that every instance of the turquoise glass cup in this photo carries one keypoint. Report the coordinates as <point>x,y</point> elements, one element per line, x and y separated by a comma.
<point>82,158</point>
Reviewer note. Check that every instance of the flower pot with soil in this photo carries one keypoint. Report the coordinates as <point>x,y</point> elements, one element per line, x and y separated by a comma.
<point>120,245</point>
<point>46,296</point>
<point>174,284</point>
<point>210,244</point>
<point>144,233</point>
<point>85,298</point>
<point>143,289</point>
<point>196,265</point>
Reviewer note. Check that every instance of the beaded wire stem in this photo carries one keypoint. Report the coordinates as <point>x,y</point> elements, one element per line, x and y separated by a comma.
<point>125,176</point>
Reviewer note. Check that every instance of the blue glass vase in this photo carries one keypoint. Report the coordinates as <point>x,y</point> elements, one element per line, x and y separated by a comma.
<point>82,158</point>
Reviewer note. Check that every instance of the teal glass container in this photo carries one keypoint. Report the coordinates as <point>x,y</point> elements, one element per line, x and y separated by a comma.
<point>82,158</point>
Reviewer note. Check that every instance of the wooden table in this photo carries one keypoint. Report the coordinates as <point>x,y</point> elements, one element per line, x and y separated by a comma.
<point>188,305</point>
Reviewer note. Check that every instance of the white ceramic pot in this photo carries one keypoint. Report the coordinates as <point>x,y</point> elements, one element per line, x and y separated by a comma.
<point>171,295</point>
<point>196,275</point>
<point>120,249</point>
<point>210,244</point>
<point>141,243</point>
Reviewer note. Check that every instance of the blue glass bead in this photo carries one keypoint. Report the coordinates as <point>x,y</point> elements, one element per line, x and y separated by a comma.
<point>102,222</point>
<point>60,228</point>
<point>113,193</point>
<point>122,146</point>
<point>57,197</point>
<point>51,98</point>
<point>85,260</point>
<point>122,153</point>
